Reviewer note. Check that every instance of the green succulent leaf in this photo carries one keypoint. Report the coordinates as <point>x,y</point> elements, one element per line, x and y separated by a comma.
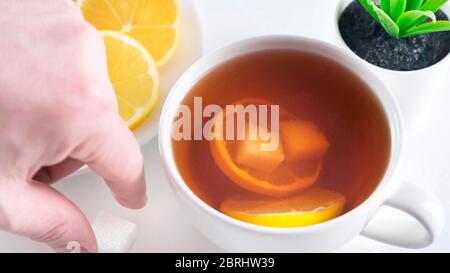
<point>413,4</point>
<point>414,17</point>
<point>404,18</point>
<point>367,4</point>
<point>385,5</point>
<point>427,28</point>
<point>397,8</point>
<point>386,22</point>
<point>433,5</point>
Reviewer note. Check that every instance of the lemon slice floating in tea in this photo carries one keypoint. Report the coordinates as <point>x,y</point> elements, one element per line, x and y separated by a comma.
<point>134,76</point>
<point>295,165</point>
<point>153,23</point>
<point>308,208</point>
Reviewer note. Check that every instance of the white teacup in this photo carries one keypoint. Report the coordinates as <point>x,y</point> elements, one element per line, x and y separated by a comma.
<point>234,235</point>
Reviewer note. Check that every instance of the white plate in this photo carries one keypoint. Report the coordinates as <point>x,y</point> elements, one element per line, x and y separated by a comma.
<point>190,48</point>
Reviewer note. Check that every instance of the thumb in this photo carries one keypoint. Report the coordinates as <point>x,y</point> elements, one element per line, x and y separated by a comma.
<point>39,212</point>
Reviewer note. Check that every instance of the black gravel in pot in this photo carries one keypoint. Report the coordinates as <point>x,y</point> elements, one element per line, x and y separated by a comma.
<point>368,40</point>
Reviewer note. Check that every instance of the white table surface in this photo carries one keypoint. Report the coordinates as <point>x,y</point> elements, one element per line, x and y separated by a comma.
<point>162,225</point>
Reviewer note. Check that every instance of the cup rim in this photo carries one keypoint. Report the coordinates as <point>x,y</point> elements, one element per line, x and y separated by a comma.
<point>340,7</point>
<point>178,93</point>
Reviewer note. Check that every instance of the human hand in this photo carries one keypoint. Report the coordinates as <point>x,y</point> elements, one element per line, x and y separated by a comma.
<point>58,112</point>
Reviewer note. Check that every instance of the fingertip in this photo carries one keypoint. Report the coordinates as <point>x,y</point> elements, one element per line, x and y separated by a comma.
<point>49,217</point>
<point>133,204</point>
<point>75,248</point>
<point>78,237</point>
<point>132,192</point>
<point>91,247</point>
<point>136,200</point>
<point>121,166</point>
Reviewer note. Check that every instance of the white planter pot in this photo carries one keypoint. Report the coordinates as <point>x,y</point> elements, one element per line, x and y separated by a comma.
<point>413,90</point>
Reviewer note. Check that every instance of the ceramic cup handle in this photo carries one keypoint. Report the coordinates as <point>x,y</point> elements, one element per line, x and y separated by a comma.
<point>424,206</point>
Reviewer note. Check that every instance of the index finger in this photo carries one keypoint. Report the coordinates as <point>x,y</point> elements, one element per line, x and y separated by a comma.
<point>113,153</point>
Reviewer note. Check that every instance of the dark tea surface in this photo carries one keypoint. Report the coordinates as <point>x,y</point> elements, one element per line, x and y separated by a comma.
<point>314,89</point>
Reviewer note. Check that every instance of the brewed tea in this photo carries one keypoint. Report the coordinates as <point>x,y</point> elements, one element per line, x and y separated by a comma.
<point>334,141</point>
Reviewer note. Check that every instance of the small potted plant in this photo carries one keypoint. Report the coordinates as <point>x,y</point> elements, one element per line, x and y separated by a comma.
<point>406,42</point>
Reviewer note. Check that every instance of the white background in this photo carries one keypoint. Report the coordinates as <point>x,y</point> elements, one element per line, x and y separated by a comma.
<point>162,224</point>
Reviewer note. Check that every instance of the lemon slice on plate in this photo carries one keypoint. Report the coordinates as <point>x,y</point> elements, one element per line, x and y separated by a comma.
<point>308,208</point>
<point>153,23</point>
<point>134,76</point>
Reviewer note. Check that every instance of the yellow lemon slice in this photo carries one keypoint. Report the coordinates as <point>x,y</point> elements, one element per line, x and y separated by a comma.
<point>153,23</point>
<point>308,208</point>
<point>134,76</point>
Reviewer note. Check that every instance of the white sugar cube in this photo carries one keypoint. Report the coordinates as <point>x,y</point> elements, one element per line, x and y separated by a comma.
<point>114,235</point>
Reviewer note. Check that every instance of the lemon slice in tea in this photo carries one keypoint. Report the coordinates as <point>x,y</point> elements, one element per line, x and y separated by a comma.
<point>264,172</point>
<point>307,208</point>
